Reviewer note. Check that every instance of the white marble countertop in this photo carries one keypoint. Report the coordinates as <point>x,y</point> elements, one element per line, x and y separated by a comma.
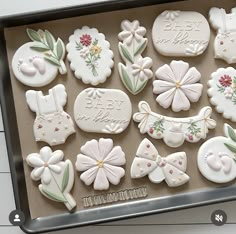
<point>191,221</point>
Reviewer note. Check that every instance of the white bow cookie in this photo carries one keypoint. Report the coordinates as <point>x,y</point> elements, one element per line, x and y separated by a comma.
<point>149,162</point>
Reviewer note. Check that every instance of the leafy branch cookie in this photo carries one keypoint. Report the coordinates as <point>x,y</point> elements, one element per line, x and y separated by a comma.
<point>90,56</point>
<point>37,63</point>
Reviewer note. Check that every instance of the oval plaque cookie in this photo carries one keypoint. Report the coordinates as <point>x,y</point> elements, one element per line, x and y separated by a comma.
<point>102,110</point>
<point>90,56</point>
<point>180,33</point>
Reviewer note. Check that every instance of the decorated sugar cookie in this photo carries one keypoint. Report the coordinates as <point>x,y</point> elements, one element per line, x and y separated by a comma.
<point>37,63</point>
<point>174,131</point>
<point>180,33</point>
<point>225,41</point>
<point>52,124</point>
<point>216,157</point>
<point>56,175</point>
<point>90,56</point>
<point>148,162</point>
<point>177,85</point>
<point>102,110</point>
<point>137,70</point>
<point>222,92</point>
<point>101,163</point>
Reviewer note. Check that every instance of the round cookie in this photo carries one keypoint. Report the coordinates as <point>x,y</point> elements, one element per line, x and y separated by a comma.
<point>180,33</point>
<point>37,63</point>
<point>216,157</point>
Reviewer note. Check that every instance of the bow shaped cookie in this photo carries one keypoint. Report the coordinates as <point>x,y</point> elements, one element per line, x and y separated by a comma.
<point>149,162</point>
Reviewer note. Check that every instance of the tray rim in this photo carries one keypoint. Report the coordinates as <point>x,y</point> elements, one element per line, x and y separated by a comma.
<point>112,212</point>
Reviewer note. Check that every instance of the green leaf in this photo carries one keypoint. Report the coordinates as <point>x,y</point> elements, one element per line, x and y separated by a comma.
<point>60,49</point>
<point>53,196</point>
<point>141,48</point>
<point>53,61</point>
<point>231,133</point>
<point>126,80</point>
<point>65,179</point>
<point>50,40</point>
<point>33,35</point>
<point>40,48</point>
<point>126,53</point>
<point>141,87</point>
<point>230,147</point>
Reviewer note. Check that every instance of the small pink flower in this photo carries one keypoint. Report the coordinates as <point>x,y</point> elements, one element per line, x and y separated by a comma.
<point>225,80</point>
<point>85,40</point>
<point>190,137</point>
<point>151,130</point>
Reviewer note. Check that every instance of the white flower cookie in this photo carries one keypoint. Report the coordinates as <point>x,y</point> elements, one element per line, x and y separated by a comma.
<point>222,92</point>
<point>180,33</point>
<point>90,56</point>
<point>101,163</point>
<point>174,131</point>
<point>148,162</point>
<point>56,175</point>
<point>102,110</point>
<point>177,85</point>
<point>137,70</point>
<point>216,157</point>
<point>225,41</point>
<point>52,124</point>
<point>37,63</point>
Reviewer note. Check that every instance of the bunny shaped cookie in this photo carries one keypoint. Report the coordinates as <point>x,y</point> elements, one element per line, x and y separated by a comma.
<point>225,41</point>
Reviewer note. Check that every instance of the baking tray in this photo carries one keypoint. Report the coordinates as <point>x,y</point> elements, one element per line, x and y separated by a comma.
<point>99,214</point>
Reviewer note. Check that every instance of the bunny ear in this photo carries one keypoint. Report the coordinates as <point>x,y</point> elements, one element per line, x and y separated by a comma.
<point>216,18</point>
<point>141,167</point>
<point>206,113</point>
<point>142,116</point>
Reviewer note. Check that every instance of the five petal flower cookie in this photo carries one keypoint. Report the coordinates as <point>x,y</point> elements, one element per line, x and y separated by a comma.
<point>57,176</point>
<point>137,71</point>
<point>176,85</point>
<point>101,163</point>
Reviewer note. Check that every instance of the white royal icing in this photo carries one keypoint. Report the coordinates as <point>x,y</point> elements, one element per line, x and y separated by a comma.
<point>225,41</point>
<point>149,162</point>
<point>136,72</point>
<point>37,63</point>
<point>180,33</point>
<point>216,157</point>
<point>222,92</point>
<point>56,175</point>
<point>174,131</point>
<point>52,124</point>
<point>101,163</point>
<point>90,56</point>
<point>102,110</point>
<point>177,85</point>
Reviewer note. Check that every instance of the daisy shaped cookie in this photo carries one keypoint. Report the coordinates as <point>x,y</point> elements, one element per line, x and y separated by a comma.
<point>177,85</point>
<point>101,163</point>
